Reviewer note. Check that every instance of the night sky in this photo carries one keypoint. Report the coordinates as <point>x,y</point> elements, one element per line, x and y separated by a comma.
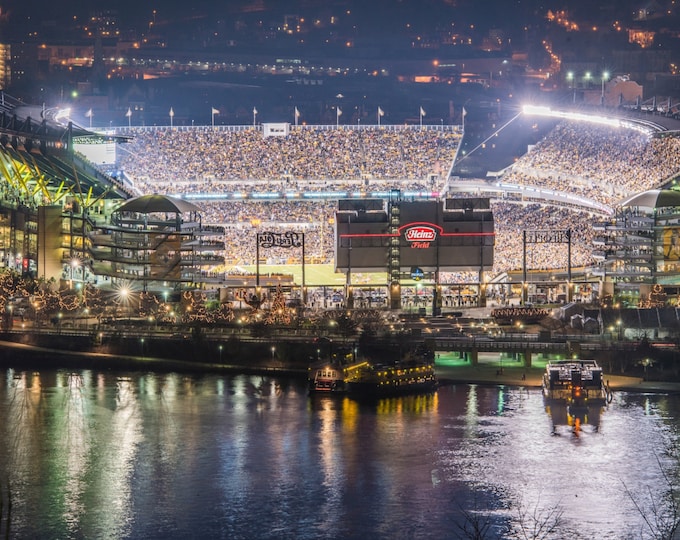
<point>377,16</point>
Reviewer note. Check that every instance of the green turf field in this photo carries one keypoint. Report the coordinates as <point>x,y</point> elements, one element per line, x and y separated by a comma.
<point>319,274</point>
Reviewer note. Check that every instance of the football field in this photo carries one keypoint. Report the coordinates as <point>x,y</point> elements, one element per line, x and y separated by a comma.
<point>317,275</point>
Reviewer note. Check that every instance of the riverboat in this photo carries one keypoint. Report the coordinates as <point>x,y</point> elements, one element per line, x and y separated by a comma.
<point>326,377</point>
<point>373,380</point>
<point>575,382</point>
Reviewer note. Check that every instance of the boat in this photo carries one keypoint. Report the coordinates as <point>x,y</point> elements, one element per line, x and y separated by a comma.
<point>326,377</point>
<point>373,380</point>
<point>575,382</point>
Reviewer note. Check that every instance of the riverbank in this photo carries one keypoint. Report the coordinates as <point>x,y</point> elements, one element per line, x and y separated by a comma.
<point>491,370</point>
<point>450,368</point>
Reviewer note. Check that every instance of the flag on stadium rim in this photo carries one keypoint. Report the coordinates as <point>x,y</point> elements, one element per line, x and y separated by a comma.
<point>254,110</point>
<point>215,111</point>
<point>339,111</point>
<point>380,112</point>
<point>297,113</point>
<point>129,112</point>
<point>88,114</point>
<point>422,112</point>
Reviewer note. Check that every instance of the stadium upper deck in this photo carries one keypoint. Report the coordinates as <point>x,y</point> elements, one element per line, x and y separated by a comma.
<point>212,161</point>
<point>37,160</point>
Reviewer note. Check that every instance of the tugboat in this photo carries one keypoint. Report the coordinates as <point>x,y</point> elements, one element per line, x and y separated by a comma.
<point>575,383</point>
<point>369,380</point>
<point>326,377</point>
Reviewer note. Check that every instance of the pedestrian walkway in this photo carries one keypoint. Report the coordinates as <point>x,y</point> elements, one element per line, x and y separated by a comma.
<point>494,368</point>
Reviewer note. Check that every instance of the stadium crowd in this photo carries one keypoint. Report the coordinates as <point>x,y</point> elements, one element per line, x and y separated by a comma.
<point>596,162</point>
<point>602,163</point>
<point>166,160</point>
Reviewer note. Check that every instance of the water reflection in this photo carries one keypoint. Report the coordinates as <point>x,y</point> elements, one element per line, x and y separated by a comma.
<point>73,444</point>
<point>571,419</point>
<point>106,455</point>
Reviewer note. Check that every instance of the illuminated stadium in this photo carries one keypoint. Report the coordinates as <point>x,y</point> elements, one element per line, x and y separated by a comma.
<point>244,182</point>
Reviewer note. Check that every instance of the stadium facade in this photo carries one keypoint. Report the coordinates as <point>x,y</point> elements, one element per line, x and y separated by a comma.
<point>63,220</point>
<point>639,249</point>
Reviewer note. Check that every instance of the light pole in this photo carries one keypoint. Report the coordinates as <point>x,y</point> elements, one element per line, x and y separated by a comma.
<point>570,78</point>
<point>605,76</point>
<point>646,362</point>
<point>75,263</point>
<point>273,352</point>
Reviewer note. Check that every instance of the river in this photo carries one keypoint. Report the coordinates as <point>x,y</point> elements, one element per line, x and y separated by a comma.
<point>93,455</point>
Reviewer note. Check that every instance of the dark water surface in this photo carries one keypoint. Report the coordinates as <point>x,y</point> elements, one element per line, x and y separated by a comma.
<point>109,455</point>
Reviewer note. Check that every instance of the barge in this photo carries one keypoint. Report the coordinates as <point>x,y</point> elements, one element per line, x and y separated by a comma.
<point>575,382</point>
<point>372,380</point>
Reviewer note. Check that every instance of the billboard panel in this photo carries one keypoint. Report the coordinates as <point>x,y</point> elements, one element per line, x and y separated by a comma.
<point>429,235</point>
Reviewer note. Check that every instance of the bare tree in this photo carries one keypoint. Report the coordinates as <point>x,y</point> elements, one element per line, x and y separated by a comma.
<point>537,523</point>
<point>660,509</point>
<point>476,525</point>
<point>530,523</point>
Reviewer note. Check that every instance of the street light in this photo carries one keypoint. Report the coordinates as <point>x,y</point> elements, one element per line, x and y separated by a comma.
<point>646,362</point>
<point>75,263</point>
<point>570,78</point>
<point>605,76</point>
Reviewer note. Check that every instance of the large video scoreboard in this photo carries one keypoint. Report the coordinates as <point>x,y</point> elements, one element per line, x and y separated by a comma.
<point>430,235</point>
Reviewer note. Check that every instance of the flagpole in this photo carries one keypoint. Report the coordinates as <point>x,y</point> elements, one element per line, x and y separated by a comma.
<point>378,116</point>
<point>254,116</point>
<point>172,115</point>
